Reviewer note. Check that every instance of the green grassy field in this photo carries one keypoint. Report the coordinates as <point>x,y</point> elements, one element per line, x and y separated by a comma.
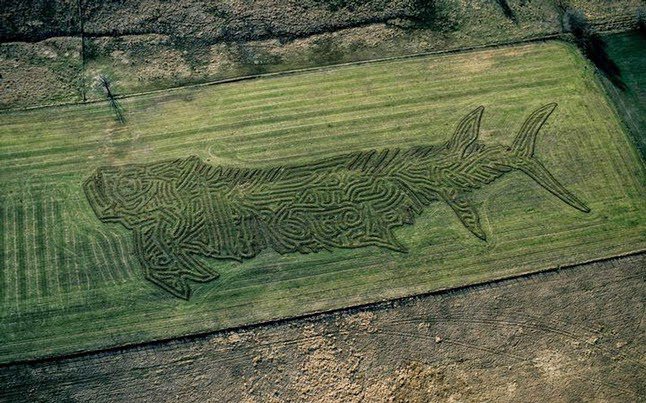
<point>72,283</point>
<point>627,51</point>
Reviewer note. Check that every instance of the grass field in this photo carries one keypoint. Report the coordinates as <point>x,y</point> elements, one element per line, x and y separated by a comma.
<point>627,51</point>
<point>72,283</point>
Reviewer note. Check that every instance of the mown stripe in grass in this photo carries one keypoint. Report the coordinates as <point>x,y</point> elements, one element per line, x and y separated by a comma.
<point>81,278</point>
<point>124,260</point>
<point>40,263</point>
<point>21,260</point>
<point>113,264</point>
<point>52,248</point>
<point>226,122</point>
<point>59,245</point>
<point>4,266</point>
<point>11,268</point>
<point>88,262</point>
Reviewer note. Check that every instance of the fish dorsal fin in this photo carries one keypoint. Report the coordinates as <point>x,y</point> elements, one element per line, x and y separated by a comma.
<point>467,132</point>
<point>526,139</point>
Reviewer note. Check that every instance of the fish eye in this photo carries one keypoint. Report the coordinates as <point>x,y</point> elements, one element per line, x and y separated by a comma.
<point>129,185</point>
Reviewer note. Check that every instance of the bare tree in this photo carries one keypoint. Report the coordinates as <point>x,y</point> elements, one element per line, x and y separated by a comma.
<point>105,84</point>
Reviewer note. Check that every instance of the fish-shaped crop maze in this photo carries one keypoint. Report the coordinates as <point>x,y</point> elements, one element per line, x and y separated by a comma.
<point>184,208</point>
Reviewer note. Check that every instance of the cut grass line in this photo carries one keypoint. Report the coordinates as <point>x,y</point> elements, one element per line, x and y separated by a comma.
<point>227,122</point>
<point>117,256</point>
<point>4,264</point>
<point>11,233</point>
<point>41,265</point>
<point>21,267</point>
<point>63,242</point>
<point>52,250</point>
<point>78,255</point>
<point>32,272</point>
<point>95,263</point>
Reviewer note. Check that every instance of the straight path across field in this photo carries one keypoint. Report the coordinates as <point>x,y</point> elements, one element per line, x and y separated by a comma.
<point>85,290</point>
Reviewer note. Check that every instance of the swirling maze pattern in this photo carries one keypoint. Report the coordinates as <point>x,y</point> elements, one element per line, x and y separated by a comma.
<point>184,208</point>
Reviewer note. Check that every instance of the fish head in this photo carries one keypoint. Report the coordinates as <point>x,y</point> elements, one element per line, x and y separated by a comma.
<point>120,194</point>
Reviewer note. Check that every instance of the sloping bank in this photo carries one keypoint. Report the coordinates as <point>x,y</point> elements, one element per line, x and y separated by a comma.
<point>59,49</point>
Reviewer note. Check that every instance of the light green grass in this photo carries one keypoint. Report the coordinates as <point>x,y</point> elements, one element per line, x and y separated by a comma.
<point>85,290</point>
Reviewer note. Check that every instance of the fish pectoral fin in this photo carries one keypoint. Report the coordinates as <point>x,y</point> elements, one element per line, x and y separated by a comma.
<point>174,277</point>
<point>194,270</point>
<point>466,213</point>
<point>172,282</point>
<point>389,241</point>
<point>170,267</point>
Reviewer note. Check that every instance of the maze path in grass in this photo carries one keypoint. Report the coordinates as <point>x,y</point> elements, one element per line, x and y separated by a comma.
<point>183,208</point>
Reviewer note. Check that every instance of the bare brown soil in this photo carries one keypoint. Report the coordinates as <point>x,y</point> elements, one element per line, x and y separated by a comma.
<point>571,335</point>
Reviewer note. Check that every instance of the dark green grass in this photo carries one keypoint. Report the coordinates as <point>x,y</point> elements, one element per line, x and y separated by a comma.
<point>19,217</point>
<point>628,51</point>
<point>40,246</point>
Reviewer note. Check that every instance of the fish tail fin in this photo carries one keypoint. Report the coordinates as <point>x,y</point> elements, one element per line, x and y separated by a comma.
<point>535,170</point>
<point>523,148</point>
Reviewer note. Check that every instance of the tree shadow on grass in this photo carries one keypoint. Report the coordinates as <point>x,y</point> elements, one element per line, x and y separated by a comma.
<point>105,84</point>
<point>593,46</point>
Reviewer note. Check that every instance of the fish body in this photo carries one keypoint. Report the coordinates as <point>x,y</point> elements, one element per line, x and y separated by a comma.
<point>184,208</point>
